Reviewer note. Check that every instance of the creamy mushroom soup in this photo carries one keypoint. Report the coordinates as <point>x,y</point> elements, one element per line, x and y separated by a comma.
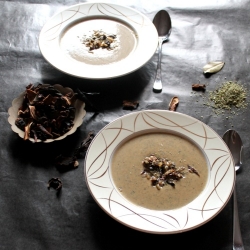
<point>126,168</point>
<point>72,41</point>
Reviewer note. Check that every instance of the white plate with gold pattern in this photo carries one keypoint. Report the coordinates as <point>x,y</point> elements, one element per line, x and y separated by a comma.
<point>203,208</point>
<point>62,40</point>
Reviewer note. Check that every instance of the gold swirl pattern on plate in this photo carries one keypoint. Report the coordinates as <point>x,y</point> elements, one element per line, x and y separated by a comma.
<point>54,29</point>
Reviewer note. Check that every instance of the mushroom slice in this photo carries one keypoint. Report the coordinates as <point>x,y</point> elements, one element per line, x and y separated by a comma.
<point>173,103</point>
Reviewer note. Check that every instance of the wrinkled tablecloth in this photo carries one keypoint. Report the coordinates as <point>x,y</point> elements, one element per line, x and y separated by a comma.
<point>33,217</point>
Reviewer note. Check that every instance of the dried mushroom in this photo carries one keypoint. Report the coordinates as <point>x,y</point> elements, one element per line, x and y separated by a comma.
<point>65,163</point>
<point>193,170</point>
<point>84,144</point>
<point>83,97</point>
<point>45,112</point>
<point>55,183</point>
<point>173,104</point>
<point>198,86</point>
<point>162,171</point>
<point>130,105</point>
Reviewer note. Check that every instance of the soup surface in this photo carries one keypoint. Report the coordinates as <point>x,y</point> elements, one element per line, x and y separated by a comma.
<point>126,168</point>
<point>72,44</point>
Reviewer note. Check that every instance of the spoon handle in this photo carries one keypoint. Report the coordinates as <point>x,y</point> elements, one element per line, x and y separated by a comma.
<point>157,87</point>
<point>237,240</point>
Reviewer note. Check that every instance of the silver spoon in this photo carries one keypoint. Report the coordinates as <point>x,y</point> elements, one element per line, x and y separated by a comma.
<point>162,23</point>
<point>234,143</point>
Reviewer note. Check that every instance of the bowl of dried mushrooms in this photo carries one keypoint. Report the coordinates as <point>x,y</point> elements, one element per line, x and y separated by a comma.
<point>46,113</point>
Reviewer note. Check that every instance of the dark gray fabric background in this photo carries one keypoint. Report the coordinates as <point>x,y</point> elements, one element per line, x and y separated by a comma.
<point>33,217</point>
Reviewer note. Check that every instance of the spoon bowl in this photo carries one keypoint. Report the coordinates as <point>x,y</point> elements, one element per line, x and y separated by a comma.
<point>234,143</point>
<point>162,22</point>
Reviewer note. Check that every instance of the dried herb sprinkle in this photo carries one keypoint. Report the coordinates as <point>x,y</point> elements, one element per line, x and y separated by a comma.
<point>229,95</point>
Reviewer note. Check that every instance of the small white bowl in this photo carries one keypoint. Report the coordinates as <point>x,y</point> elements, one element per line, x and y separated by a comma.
<point>79,114</point>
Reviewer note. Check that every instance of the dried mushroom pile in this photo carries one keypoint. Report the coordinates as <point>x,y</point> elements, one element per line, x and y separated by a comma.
<point>45,112</point>
<point>162,171</point>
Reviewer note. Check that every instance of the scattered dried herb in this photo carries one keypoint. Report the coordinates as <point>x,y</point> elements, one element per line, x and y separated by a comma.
<point>99,39</point>
<point>198,86</point>
<point>45,112</point>
<point>130,105</point>
<point>173,104</point>
<point>213,67</point>
<point>55,183</point>
<point>162,171</point>
<point>65,163</point>
<point>229,95</point>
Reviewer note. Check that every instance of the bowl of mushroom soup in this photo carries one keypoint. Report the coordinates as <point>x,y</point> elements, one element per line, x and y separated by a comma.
<point>98,40</point>
<point>159,171</point>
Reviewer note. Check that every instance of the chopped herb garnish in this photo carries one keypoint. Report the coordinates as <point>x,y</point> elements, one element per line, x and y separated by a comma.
<point>229,95</point>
